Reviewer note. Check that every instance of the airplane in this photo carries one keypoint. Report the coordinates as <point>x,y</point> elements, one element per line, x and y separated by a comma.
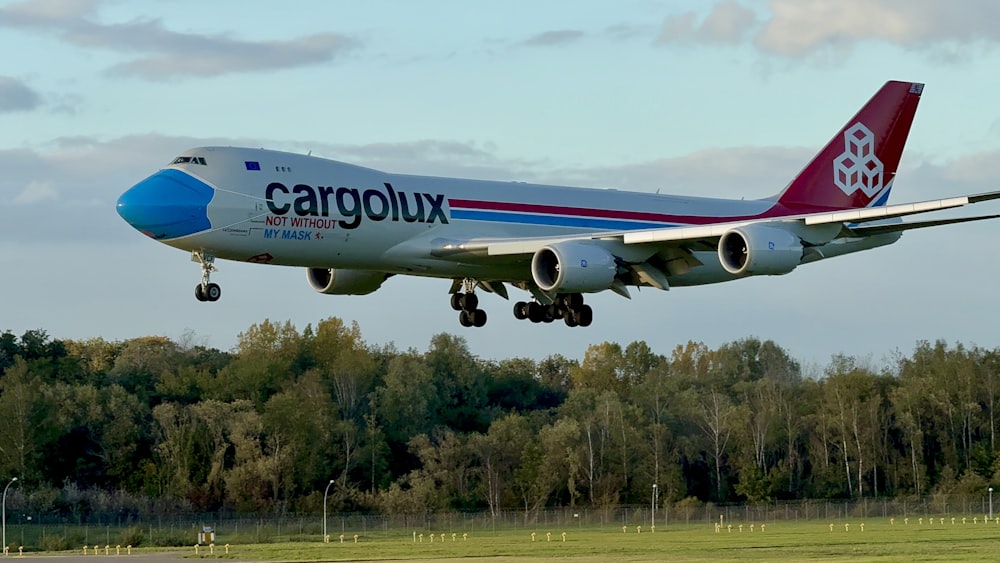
<point>352,227</point>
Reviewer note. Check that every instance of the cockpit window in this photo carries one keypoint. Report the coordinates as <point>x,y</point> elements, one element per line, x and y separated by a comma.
<point>189,160</point>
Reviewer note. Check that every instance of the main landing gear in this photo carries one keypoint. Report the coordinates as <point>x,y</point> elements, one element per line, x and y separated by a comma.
<point>468,306</point>
<point>569,307</point>
<point>566,306</point>
<point>206,291</point>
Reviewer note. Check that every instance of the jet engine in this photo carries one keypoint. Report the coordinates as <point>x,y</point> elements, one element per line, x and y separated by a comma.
<point>573,267</point>
<point>756,250</point>
<point>332,281</point>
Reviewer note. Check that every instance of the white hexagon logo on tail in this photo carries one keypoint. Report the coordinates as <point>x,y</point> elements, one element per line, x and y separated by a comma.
<point>857,168</point>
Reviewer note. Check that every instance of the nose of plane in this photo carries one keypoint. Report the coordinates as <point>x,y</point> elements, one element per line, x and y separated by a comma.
<point>166,205</point>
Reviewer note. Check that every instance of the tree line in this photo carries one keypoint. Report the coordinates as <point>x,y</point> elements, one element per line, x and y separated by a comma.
<point>265,427</point>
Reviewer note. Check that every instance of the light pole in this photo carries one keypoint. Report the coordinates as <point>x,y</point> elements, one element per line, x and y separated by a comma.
<point>324,507</point>
<point>991,502</point>
<point>3,508</point>
<point>652,518</point>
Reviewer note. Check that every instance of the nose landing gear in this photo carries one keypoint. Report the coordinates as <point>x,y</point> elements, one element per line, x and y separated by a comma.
<point>206,290</point>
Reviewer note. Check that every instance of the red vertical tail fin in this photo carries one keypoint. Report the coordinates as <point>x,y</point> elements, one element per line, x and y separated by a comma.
<point>856,168</point>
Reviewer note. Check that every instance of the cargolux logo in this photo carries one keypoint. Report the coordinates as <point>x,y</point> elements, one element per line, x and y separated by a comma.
<point>353,204</point>
<point>857,168</point>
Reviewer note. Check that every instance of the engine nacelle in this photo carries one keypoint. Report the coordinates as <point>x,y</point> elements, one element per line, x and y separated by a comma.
<point>573,267</point>
<point>332,281</point>
<point>757,250</point>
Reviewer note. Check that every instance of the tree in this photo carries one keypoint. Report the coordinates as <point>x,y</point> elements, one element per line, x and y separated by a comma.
<point>303,418</point>
<point>25,428</point>
<point>142,363</point>
<point>266,359</point>
<point>499,455</point>
<point>408,402</point>
<point>459,379</point>
<point>341,360</point>
<point>717,417</point>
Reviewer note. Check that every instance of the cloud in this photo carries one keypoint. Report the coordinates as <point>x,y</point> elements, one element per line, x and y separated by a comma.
<point>202,55</point>
<point>552,38</point>
<point>623,32</point>
<point>36,192</point>
<point>727,23</point>
<point>16,96</point>
<point>50,10</point>
<point>799,28</point>
<point>159,53</point>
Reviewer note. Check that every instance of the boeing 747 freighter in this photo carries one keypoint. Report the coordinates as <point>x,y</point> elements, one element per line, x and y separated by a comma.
<point>352,228</point>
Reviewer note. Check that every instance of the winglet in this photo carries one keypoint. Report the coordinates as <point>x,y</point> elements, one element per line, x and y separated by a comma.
<point>856,168</point>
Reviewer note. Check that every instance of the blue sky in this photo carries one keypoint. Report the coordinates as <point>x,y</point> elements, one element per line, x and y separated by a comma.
<point>724,99</point>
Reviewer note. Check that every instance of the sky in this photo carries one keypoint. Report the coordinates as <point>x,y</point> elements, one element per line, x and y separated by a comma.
<point>721,99</point>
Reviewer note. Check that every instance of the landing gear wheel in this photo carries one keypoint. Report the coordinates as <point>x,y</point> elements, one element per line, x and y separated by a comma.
<point>464,319</point>
<point>572,301</point>
<point>585,316</point>
<point>570,320</point>
<point>213,292</point>
<point>456,301</point>
<point>469,302</point>
<point>520,310</point>
<point>478,318</point>
<point>199,293</point>
<point>555,311</point>
<point>536,313</point>
<point>547,314</point>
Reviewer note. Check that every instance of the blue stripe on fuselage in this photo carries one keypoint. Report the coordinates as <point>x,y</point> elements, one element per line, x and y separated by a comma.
<point>555,220</point>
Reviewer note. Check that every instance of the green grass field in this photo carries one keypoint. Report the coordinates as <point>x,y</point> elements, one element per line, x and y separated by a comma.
<point>781,541</point>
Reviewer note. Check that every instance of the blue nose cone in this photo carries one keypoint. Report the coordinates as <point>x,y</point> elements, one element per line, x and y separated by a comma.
<point>168,204</point>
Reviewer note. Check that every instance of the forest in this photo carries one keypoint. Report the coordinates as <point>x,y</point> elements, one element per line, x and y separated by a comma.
<point>264,428</point>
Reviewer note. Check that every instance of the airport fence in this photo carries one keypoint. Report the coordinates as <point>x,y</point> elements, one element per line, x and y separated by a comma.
<point>53,532</point>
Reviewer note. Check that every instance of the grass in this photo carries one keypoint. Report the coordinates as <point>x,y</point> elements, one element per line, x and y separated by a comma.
<point>781,541</point>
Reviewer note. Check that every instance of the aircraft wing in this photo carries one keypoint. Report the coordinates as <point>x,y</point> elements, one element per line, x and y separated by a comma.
<point>852,219</point>
<point>850,216</point>
<point>888,212</point>
<point>870,230</point>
